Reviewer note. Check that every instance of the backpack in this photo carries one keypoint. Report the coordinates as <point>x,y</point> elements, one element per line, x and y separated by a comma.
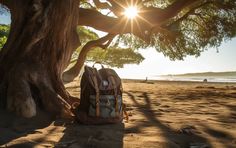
<point>100,97</point>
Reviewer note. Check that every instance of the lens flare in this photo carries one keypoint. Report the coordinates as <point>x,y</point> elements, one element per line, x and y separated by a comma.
<point>131,12</point>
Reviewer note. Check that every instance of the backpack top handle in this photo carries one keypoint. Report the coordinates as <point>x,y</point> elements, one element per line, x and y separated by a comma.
<point>99,64</point>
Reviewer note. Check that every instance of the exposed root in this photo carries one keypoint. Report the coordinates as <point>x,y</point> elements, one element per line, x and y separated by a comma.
<point>31,88</point>
<point>19,98</point>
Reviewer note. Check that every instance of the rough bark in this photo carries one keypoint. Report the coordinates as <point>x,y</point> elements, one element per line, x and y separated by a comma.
<point>39,47</point>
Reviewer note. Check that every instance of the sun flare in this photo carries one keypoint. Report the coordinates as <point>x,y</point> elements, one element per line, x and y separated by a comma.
<point>131,12</point>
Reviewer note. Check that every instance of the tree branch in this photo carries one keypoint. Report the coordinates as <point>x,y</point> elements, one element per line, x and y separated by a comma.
<point>103,42</point>
<point>141,26</point>
<point>113,25</point>
<point>157,16</point>
<point>188,13</point>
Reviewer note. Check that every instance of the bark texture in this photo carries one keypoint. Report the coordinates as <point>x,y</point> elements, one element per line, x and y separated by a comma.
<point>39,47</point>
<point>74,71</point>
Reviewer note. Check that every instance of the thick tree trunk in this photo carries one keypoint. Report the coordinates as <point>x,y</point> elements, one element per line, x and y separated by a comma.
<point>41,41</point>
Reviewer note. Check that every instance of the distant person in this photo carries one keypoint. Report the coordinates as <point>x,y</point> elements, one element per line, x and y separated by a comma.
<point>205,80</point>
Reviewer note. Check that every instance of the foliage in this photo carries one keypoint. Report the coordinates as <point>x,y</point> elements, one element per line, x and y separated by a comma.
<point>4,31</point>
<point>113,56</point>
<point>193,30</point>
<point>86,34</point>
<point>207,27</point>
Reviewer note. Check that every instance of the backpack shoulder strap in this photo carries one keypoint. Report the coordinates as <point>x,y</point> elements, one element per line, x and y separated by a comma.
<point>95,81</point>
<point>92,74</point>
<point>115,93</point>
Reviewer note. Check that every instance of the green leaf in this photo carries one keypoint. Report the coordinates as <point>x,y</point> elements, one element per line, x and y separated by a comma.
<point>4,31</point>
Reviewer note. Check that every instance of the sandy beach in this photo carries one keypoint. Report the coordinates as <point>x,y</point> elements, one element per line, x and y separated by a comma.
<point>162,114</point>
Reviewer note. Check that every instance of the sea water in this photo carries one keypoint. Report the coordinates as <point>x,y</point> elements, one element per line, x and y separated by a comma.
<point>196,78</point>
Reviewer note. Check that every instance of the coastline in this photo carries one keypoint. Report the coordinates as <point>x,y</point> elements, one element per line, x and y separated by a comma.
<point>172,81</point>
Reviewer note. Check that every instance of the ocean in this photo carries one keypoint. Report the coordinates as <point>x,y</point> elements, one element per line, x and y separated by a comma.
<point>231,79</point>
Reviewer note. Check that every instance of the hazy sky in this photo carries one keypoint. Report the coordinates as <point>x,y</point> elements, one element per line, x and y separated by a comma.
<point>156,64</point>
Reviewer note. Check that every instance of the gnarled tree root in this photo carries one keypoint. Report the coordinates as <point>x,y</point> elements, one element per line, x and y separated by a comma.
<point>31,88</point>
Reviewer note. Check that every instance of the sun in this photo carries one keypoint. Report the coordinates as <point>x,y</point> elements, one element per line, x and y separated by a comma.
<point>131,12</point>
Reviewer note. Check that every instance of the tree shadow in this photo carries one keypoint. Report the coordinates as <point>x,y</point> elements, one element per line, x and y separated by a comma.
<point>93,136</point>
<point>223,137</point>
<point>45,132</point>
<point>13,127</point>
<point>212,109</point>
<point>170,135</point>
<point>209,93</point>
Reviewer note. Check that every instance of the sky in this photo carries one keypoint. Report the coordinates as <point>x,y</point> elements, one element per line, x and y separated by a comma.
<point>156,64</point>
<point>209,61</point>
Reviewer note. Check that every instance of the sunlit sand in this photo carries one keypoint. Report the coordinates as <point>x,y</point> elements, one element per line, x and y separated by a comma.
<point>161,113</point>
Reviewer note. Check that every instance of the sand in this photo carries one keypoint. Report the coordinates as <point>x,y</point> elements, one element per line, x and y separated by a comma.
<point>161,114</point>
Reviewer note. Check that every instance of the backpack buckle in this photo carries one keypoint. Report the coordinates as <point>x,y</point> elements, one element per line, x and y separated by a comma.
<point>108,103</point>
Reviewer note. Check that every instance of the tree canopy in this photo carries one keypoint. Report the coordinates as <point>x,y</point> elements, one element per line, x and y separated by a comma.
<point>113,55</point>
<point>176,28</point>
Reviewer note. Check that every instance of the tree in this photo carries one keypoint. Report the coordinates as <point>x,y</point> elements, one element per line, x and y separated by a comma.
<point>4,31</point>
<point>43,38</point>
<point>113,56</point>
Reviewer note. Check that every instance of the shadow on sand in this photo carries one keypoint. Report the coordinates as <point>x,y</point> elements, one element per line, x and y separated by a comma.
<point>43,131</point>
<point>171,136</point>
<point>88,136</point>
<point>15,128</point>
